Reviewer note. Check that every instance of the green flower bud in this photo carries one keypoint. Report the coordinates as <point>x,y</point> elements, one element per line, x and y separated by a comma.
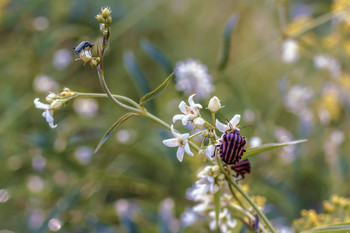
<point>99,18</point>
<point>214,104</point>
<point>106,12</point>
<point>51,97</point>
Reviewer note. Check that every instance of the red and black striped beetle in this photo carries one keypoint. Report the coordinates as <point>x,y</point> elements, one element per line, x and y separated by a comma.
<point>241,168</point>
<point>232,147</point>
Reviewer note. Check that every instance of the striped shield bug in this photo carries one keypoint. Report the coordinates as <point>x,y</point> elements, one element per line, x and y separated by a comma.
<point>241,168</point>
<point>232,147</point>
<point>82,46</point>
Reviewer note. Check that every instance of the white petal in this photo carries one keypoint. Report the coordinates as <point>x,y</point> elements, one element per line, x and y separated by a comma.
<point>209,152</point>
<point>192,103</point>
<point>40,105</point>
<point>187,149</point>
<point>182,107</point>
<point>185,119</point>
<point>177,135</point>
<point>235,120</point>
<point>180,154</point>
<point>177,117</point>
<point>172,142</point>
<point>49,118</point>
<point>221,127</point>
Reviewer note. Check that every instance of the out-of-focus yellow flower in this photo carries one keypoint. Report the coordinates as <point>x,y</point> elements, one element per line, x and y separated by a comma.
<point>328,207</point>
<point>260,201</point>
<point>330,102</point>
<point>342,8</point>
<point>336,211</point>
<point>330,41</point>
<point>297,26</point>
<point>346,47</point>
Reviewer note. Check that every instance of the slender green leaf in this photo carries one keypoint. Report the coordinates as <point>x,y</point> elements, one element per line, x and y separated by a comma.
<point>338,228</point>
<point>156,91</point>
<point>136,73</point>
<point>157,55</point>
<point>257,150</point>
<point>224,54</point>
<point>113,128</point>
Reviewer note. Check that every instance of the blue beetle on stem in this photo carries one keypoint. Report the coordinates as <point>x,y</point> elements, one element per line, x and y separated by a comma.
<point>82,46</point>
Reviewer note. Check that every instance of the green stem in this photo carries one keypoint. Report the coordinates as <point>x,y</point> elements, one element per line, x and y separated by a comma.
<point>103,95</point>
<point>109,94</point>
<point>166,125</point>
<point>247,198</point>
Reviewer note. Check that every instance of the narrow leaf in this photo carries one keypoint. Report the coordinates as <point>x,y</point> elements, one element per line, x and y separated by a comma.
<point>113,128</point>
<point>157,55</point>
<point>136,73</point>
<point>156,91</point>
<point>257,150</point>
<point>224,54</point>
<point>338,228</point>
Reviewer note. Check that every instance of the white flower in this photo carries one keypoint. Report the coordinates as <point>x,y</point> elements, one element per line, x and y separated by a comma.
<point>290,51</point>
<point>329,63</point>
<point>190,112</point>
<point>226,223</point>
<point>298,97</point>
<point>232,124</point>
<point>180,141</point>
<point>209,152</point>
<point>193,77</point>
<point>48,112</point>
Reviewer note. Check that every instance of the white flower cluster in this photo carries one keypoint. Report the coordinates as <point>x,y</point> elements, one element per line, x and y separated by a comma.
<point>290,51</point>
<point>210,181</point>
<point>192,77</point>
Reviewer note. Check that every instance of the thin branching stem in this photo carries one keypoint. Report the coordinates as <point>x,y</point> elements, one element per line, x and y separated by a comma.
<point>247,198</point>
<point>103,95</point>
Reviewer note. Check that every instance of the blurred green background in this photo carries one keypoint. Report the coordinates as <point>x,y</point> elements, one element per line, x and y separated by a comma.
<point>50,179</point>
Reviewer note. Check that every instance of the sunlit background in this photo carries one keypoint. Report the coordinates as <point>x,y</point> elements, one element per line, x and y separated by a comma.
<point>287,74</point>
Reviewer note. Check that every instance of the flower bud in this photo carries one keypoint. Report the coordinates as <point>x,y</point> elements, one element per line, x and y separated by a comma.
<point>201,153</point>
<point>214,104</point>
<point>198,123</point>
<point>51,97</point>
<point>99,18</point>
<point>56,104</point>
<point>106,12</point>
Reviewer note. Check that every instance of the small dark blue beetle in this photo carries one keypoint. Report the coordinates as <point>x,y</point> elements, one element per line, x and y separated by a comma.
<point>82,45</point>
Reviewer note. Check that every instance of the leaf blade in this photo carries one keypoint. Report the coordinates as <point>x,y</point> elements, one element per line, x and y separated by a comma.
<point>266,147</point>
<point>156,91</point>
<point>224,54</point>
<point>109,132</point>
<point>156,55</point>
<point>338,228</point>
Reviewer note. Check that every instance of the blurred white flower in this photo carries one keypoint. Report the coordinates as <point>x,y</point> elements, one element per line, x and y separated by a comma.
<point>45,84</point>
<point>83,154</point>
<point>40,23</point>
<point>290,51</point>
<point>180,141</point>
<point>255,141</point>
<point>38,162</point>
<point>297,98</point>
<point>329,63</point>
<point>190,112</point>
<point>86,107</point>
<point>62,58</point>
<point>226,223</point>
<point>188,218</point>
<point>192,77</point>
<point>232,124</point>
<point>54,224</point>
<point>35,184</point>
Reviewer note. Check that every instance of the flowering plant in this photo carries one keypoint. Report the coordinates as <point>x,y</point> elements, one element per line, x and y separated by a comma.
<point>217,193</point>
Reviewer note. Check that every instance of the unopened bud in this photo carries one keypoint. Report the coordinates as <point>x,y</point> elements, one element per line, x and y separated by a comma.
<point>56,104</point>
<point>214,104</point>
<point>109,20</point>
<point>51,97</point>
<point>99,18</point>
<point>198,122</point>
<point>201,153</point>
<point>106,12</point>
